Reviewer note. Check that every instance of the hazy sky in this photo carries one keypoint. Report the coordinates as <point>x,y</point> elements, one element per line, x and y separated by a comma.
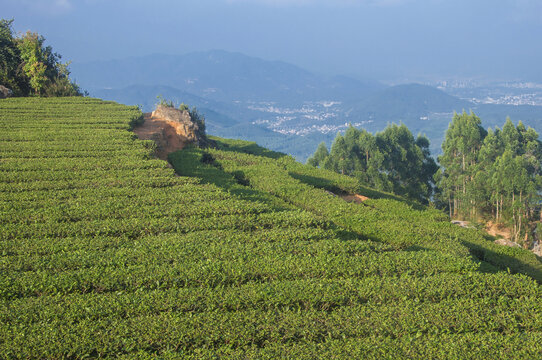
<point>383,39</point>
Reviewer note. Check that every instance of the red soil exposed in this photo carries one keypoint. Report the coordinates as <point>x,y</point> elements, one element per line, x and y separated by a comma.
<point>167,135</point>
<point>358,199</point>
<point>498,230</point>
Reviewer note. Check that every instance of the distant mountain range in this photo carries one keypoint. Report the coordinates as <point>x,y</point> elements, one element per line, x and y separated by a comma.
<point>279,105</point>
<point>221,76</point>
<point>403,102</point>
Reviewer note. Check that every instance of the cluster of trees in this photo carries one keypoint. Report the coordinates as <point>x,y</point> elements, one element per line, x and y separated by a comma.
<point>491,175</point>
<point>392,160</point>
<point>28,67</point>
<point>494,174</point>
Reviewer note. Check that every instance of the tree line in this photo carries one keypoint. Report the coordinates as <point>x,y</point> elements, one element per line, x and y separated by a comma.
<point>391,160</point>
<point>492,175</point>
<point>28,67</point>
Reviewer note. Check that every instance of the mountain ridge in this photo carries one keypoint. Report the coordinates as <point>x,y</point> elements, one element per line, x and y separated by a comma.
<point>406,101</point>
<point>274,103</point>
<point>219,75</point>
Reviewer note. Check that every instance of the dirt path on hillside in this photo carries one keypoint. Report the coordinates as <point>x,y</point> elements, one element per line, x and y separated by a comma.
<point>163,132</point>
<point>498,230</point>
<point>356,198</point>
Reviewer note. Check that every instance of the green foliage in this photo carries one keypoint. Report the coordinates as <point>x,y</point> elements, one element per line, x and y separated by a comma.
<point>11,74</point>
<point>244,253</point>
<point>30,67</point>
<point>196,117</point>
<point>34,58</point>
<point>319,157</point>
<point>460,150</point>
<point>391,160</point>
<point>164,102</point>
<point>495,174</point>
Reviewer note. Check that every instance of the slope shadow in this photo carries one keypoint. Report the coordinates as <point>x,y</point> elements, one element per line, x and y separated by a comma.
<point>503,262</point>
<point>325,184</point>
<point>247,147</point>
<point>195,163</point>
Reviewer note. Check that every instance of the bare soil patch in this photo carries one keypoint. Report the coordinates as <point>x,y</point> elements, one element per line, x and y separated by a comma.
<point>498,230</point>
<point>356,198</point>
<point>166,134</point>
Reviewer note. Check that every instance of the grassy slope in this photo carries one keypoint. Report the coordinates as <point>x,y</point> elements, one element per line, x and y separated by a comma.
<point>105,252</point>
<point>385,217</point>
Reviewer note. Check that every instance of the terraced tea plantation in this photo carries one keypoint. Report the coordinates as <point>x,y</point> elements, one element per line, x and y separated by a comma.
<point>107,253</point>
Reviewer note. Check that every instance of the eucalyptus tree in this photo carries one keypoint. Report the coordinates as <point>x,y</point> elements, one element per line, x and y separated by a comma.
<point>461,146</point>
<point>321,154</point>
<point>492,175</point>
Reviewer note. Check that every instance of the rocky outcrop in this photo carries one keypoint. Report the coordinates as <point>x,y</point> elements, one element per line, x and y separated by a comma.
<point>463,224</point>
<point>190,129</point>
<point>537,248</point>
<point>5,92</point>
<point>171,130</point>
<point>506,242</point>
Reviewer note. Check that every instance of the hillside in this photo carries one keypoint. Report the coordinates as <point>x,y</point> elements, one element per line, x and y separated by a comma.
<point>404,102</point>
<point>237,252</point>
<point>428,110</point>
<point>220,75</point>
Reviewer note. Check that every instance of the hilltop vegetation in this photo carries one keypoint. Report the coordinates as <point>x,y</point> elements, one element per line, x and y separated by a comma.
<point>28,67</point>
<point>105,252</point>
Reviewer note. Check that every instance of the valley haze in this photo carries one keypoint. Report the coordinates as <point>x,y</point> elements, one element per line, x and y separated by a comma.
<point>482,52</point>
<point>290,109</point>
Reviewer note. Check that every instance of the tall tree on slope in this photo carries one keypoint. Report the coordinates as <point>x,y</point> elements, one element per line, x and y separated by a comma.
<point>460,148</point>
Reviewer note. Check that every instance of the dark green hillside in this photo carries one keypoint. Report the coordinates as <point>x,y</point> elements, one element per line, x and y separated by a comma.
<point>105,252</point>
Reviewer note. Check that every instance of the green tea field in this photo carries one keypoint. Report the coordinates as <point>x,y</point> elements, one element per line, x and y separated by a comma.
<point>235,252</point>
